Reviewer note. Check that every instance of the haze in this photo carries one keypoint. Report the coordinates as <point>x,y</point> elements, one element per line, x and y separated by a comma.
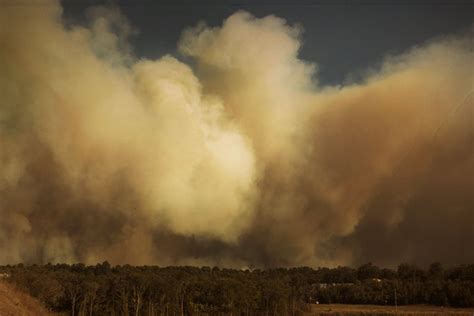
<point>234,154</point>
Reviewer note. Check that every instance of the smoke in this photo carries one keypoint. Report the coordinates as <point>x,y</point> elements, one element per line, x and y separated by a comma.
<point>241,160</point>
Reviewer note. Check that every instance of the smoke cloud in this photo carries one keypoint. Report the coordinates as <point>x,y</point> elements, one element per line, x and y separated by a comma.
<point>242,159</point>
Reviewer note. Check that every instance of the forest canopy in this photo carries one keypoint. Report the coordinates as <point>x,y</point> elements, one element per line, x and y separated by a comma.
<point>151,290</point>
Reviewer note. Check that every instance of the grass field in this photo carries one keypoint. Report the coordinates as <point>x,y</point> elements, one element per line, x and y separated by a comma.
<point>14,302</point>
<point>358,310</point>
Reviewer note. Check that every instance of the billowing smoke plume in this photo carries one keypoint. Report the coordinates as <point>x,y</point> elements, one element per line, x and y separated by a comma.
<point>241,160</point>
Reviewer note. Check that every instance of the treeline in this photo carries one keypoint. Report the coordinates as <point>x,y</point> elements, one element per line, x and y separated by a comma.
<point>149,290</point>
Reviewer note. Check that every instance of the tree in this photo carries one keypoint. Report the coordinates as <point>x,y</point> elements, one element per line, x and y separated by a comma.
<point>368,271</point>
<point>72,285</point>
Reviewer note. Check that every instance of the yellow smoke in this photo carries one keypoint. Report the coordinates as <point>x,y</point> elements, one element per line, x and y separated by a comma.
<point>243,160</point>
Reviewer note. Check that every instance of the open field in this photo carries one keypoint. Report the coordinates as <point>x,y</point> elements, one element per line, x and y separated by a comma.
<point>357,310</point>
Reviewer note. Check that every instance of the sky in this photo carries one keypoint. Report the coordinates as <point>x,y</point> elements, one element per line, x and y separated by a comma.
<point>266,135</point>
<point>343,37</point>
